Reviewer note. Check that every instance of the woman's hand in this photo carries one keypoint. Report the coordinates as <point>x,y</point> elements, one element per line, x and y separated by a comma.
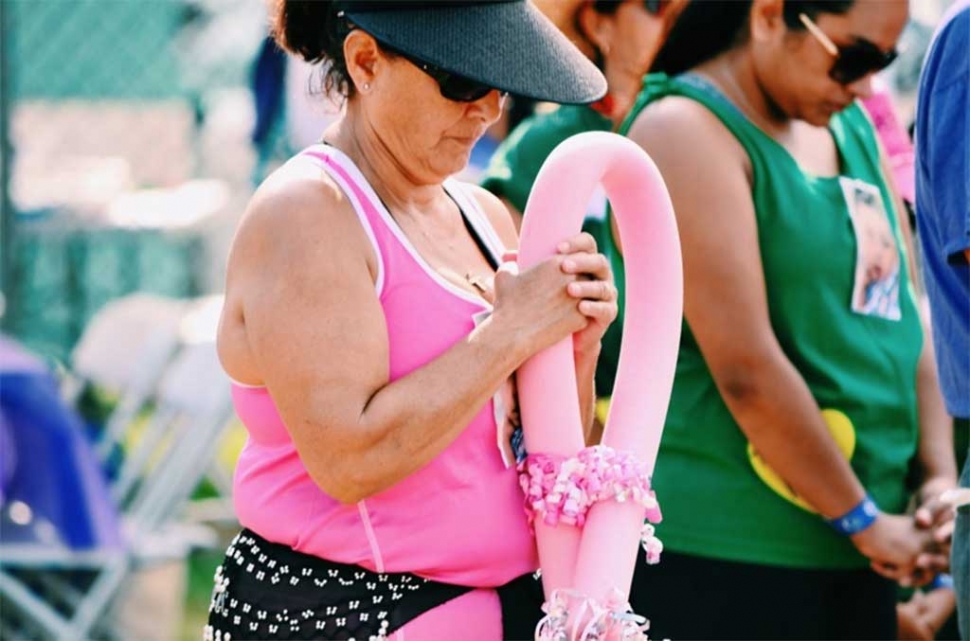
<point>937,517</point>
<point>594,289</point>
<point>924,614</point>
<point>893,544</point>
<point>570,293</point>
<point>911,620</point>
<point>934,521</point>
<point>533,307</point>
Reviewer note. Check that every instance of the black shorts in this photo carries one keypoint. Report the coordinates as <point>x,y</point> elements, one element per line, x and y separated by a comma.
<point>266,590</point>
<point>690,597</point>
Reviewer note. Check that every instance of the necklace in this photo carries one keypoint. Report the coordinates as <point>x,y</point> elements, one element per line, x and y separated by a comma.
<point>726,80</point>
<point>477,281</point>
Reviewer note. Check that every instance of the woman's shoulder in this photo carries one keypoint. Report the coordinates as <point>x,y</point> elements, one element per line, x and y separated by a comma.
<point>551,126</point>
<point>497,214</point>
<point>528,145</point>
<point>297,194</point>
<point>681,121</point>
<point>296,209</point>
<point>516,162</point>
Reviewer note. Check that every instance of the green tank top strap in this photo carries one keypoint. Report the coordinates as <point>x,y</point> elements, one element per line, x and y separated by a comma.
<point>695,87</point>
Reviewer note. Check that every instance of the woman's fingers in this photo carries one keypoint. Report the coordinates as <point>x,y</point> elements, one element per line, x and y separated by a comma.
<point>597,290</point>
<point>595,265</point>
<point>598,311</point>
<point>891,571</point>
<point>579,243</point>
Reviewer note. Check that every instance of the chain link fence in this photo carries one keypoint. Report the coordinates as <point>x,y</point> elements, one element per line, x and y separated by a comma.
<point>129,152</point>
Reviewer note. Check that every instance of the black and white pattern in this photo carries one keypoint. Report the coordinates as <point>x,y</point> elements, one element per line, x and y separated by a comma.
<point>266,590</point>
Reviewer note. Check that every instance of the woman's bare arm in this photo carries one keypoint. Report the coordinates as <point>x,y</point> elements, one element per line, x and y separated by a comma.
<point>301,266</point>
<point>725,304</point>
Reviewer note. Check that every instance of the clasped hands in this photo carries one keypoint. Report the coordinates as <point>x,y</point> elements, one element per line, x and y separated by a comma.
<point>911,549</point>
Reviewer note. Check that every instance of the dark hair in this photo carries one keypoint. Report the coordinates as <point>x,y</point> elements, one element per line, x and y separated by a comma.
<point>707,28</point>
<point>312,30</point>
<point>606,6</point>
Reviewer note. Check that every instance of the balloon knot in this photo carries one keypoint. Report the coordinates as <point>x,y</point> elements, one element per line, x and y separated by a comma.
<point>573,616</point>
<point>562,490</point>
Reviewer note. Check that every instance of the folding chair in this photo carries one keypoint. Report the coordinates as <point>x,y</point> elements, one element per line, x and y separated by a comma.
<point>123,351</point>
<point>193,404</point>
<point>197,324</point>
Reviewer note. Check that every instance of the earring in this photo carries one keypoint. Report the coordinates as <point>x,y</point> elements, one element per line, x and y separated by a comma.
<point>366,86</point>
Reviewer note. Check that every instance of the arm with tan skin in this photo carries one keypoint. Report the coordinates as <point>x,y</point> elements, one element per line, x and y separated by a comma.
<point>725,305</point>
<point>515,214</point>
<point>586,344</point>
<point>938,471</point>
<point>935,454</point>
<point>301,276</point>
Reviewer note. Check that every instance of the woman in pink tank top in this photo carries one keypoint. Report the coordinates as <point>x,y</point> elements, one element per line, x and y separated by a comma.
<point>373,339</point>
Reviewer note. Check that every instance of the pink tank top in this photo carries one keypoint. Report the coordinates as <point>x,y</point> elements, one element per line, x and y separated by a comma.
<point>459,519</point>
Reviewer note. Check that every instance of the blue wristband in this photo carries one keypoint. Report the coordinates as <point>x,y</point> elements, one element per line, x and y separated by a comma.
<point>941,580</point>
<point>857,519</point>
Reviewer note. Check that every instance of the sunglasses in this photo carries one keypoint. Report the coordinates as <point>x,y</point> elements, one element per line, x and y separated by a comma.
<point>451,85</point>
<point>656,7</point>
<point>854,61</point>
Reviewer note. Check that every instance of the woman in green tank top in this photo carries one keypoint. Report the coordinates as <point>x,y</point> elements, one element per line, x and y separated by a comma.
<point>803,396</point>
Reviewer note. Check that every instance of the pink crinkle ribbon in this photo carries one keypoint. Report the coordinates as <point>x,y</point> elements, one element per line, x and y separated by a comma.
<point>561,490</point>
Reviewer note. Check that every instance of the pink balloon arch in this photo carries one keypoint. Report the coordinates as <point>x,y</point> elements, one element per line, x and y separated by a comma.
<point>589,505</point>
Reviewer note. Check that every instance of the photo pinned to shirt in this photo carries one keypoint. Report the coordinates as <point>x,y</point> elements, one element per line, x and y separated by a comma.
<point>875,291</point>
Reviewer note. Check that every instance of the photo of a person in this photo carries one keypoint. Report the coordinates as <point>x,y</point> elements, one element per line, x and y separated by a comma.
<point>876,289</point>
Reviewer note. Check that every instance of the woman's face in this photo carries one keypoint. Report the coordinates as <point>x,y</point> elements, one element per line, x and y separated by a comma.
<point>793,66</point>
<point>629,40</point>
<point>428,135</point>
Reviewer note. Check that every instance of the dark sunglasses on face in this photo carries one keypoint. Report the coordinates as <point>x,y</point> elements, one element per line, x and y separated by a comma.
<point>451,85</point>
<point>854,61</point>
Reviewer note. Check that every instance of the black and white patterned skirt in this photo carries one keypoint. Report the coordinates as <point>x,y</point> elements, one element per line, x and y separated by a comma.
<point>266,590</point>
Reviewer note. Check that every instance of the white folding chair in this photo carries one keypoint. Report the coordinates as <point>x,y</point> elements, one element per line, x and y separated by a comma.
<point>197,325</point>
<point>123,351</point>
<point>193,405</point>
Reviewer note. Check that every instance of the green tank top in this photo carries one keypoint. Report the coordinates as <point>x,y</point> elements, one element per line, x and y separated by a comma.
<point>835,323</point>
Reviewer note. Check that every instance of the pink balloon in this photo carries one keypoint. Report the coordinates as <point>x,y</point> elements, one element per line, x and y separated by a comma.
<point>597,559</point>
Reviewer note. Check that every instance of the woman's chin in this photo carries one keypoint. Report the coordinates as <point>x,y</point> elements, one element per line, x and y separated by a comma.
<point>452,161</point>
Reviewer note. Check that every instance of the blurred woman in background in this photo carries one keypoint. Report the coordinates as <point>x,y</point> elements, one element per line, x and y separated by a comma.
<point>622,37</point>
<point>797,413</point>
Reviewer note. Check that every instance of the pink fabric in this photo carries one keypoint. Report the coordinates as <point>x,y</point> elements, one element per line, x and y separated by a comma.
<point>475,616</point>
<point>457,520</point>
<point>895,140</point>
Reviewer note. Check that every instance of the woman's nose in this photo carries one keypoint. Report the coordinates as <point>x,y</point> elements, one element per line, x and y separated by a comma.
<point>491,104</point>
<point>861,88</point>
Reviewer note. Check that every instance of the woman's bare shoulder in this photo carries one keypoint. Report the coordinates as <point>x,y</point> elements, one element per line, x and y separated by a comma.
<point>498,215</point>
<point>296,197</point>
<point>684,135</point>
<point>297,210</point>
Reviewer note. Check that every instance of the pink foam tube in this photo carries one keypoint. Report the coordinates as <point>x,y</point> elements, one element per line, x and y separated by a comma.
<point>599,559</point>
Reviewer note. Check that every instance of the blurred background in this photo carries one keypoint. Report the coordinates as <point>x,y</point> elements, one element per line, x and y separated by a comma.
<point>133,133</point>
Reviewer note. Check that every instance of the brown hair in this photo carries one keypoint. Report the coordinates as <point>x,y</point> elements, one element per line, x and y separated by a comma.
<point>312,30</point>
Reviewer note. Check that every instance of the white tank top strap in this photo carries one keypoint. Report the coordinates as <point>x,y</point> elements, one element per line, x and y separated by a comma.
<point>312,154</point>
<point>476,216</point>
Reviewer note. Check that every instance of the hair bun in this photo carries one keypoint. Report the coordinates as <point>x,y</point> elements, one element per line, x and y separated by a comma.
<point>311,29</point>
<point>306,28</point>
